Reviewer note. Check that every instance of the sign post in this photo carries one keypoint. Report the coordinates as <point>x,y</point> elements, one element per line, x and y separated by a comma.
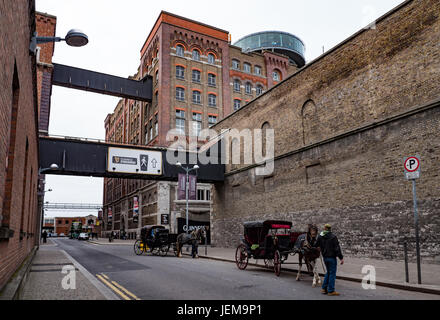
<point>412,172</point>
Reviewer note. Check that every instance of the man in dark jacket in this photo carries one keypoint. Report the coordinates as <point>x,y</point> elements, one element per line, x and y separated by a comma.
<point>330,249</point>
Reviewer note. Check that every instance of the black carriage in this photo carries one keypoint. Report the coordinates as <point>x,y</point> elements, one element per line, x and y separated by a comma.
<point>270,240</point>
<point>156,240</point>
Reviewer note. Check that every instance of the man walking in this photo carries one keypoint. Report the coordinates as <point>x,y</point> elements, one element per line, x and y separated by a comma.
<point>44,236</point>
<point>330,249</point>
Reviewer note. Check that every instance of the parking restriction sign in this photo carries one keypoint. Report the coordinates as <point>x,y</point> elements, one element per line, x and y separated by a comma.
<point>412,167</point>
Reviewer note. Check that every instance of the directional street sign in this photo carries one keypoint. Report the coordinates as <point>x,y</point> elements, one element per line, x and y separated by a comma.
<point>412,167</point>
<point>134,161</point>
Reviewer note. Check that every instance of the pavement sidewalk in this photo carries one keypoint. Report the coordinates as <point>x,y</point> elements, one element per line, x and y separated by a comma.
<point>388,273</point>
<point>45,279</point>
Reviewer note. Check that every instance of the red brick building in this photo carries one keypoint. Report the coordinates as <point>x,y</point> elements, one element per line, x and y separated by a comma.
<point>19,138</point>
<point>199,78</point>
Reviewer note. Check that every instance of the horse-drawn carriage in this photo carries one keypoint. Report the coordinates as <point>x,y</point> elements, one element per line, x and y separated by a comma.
<point>156,240</point>
<point>273,241</point>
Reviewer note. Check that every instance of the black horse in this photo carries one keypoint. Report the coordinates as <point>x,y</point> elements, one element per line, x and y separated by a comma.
<point>192,238</point>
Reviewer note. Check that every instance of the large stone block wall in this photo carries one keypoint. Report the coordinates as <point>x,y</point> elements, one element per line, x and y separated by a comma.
<point>328,171</point>
<point>356,183</point>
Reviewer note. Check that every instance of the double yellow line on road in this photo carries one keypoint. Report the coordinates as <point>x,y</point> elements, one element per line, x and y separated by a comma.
<point>116,287</point>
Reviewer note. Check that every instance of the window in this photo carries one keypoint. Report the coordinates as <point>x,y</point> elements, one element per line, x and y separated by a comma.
<point>200,194</point>
<point>180,50</point>
<point>235,64</point>
<point>212,120</point>
<point>276,76</point>
<point>248,88</point>
<point>156,95</point>
<point>180,72</point>
<point>259,90</point>
<point>208,195</point>
<point>180,121</point>
<point>157,76</point>
<point>151,132</point>
<point>211,79</point>
<point>237,85</point>
<point>196,76</point>
<point>180,94</point>
<point>257,70</point>
<point>247,67</point>
<point>156,126</point>
<point>237,104</point>
<point>212,100</point>
<point>197,123</point>
<point>196,55</point>
<point>211,58</point>
<point>66,222</point>
<point>196,97</point>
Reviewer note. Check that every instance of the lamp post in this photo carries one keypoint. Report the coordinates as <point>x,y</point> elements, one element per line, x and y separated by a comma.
<point>187,170</point>
<point>74,38</point>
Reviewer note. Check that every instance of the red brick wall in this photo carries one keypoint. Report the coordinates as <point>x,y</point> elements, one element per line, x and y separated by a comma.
<point>18,202</point>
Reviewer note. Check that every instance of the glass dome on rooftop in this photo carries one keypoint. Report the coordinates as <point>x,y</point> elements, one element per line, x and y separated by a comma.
<point>277,41</point>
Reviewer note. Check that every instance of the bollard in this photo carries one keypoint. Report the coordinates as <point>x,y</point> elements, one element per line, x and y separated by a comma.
<point>405,252</point>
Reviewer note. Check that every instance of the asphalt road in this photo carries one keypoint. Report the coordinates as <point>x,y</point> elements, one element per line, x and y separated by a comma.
<point>149,277</point>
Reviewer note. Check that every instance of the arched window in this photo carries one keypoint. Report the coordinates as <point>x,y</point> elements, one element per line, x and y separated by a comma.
<point>211,58</point>
<point>248,88</point>
<point>212,100</point>
<point>180,72</point>
<point>180,94</point>
<point>237,104</point>
<point>276,75</point>
<point>259,90</point>
<point>196,76</point>
<point>196,55</point>
<point>211,79</point>
<point>180,50</point>
<point>196,97</point>
<point>247,67</point>
<point>235,64</point>
<point>264,128</point>
<point>237,85</point>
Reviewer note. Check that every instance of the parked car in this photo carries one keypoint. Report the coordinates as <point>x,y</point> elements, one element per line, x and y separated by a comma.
<point>83,236</point>
<point>62,235</point>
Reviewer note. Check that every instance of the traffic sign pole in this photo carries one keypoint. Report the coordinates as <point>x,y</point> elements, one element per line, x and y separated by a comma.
<point>416,221</point>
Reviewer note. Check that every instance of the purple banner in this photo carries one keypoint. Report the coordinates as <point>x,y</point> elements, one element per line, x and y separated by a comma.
<point>192,193</point>
<point>181,187</point>
<point>192,190</point>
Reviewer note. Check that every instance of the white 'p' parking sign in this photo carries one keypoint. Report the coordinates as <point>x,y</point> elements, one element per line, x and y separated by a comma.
<point>412,167</point>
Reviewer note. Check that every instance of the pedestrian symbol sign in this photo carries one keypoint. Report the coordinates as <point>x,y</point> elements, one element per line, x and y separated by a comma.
<point>412,167</point>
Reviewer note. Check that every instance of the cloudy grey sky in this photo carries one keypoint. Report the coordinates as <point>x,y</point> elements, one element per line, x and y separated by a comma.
<point>117,30</point>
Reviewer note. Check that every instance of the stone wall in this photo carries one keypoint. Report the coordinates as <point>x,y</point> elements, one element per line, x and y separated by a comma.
<point>343,125</point>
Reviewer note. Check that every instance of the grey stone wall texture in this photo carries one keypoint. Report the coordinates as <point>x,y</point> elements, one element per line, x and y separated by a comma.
<point>343,125</point>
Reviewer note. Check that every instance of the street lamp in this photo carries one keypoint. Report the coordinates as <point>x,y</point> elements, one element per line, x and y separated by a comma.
<point>53,166</point>
<point>74,38</point>
<point>187,170</point>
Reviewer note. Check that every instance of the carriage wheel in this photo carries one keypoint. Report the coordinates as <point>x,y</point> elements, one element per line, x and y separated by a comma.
<point>154,250</point>
<point>277,263</point>
<point>241,257</point>
<point>138,247</point>
<point>164,250</point>
<point>268,263</point>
